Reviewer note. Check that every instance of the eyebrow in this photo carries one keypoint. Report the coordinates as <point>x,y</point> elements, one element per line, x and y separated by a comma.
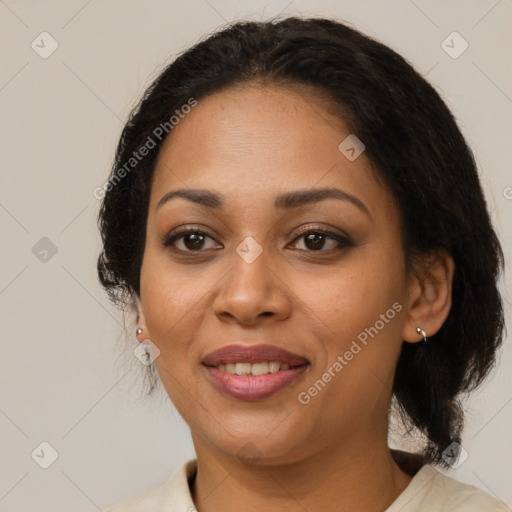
<point>286,201</point>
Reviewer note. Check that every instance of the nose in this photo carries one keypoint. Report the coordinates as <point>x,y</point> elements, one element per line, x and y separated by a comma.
<point>250,292</point>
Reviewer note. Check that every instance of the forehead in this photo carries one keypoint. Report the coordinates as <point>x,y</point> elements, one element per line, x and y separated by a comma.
<point>251,143</point>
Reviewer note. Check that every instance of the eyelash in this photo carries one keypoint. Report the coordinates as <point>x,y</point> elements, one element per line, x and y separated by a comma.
<point>343,241</point>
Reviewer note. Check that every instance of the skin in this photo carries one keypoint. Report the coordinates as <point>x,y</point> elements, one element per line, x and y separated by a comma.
<point>250,144</point>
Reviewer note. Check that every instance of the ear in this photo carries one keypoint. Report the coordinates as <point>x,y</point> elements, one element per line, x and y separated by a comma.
<point>430,295</point>
<point>141,319</point>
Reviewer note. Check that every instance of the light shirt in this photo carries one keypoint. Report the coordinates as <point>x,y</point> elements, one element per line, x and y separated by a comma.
<point>428,491</point>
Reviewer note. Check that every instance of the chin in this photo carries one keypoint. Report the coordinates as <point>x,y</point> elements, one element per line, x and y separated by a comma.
<point>257,446</point>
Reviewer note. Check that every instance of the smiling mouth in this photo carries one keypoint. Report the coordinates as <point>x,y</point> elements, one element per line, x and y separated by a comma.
<point>255,369</point>
<point>243,384</point>
<point>253,372</point>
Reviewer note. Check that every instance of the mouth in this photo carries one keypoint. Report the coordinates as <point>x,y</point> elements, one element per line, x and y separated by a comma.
<point>253,372</point>
<point>262,368</point>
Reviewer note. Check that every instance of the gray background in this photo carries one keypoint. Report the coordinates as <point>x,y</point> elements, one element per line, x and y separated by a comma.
<point>67,375</point>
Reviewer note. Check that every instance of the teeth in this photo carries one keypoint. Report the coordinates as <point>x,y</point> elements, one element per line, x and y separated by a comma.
<point>243,368</point>
<point>273,366</point>
<point>259,368</point>
<point>253,369</point>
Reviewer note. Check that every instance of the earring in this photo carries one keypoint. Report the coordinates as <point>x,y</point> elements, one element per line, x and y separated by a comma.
<point>419,330</point>
<point>138,331</point>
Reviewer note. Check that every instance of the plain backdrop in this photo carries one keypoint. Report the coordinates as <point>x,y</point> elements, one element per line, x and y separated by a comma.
<point>66,373</point>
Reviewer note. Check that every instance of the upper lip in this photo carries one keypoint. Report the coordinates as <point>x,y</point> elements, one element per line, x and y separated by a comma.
<point>252,354</point>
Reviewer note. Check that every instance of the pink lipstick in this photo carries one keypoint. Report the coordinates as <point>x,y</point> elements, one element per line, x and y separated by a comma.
<point>253,372</point>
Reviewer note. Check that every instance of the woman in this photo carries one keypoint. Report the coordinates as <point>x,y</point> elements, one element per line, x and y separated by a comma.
<point>298,223</point>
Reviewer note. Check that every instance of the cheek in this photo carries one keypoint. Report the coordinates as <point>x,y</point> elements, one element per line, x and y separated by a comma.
<point>361,306</point>
<point>356,295</point>
<point>169,290</point>
<point>170,303</point>
<point>171,307</point>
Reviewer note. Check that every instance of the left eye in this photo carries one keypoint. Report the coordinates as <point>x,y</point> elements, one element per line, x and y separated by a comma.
<point>315,240</point>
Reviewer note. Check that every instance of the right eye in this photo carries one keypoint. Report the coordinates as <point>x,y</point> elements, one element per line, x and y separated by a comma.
<point>191,240</point>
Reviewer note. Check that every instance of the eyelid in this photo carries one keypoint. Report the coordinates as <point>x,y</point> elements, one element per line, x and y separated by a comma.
<point>335,232</point>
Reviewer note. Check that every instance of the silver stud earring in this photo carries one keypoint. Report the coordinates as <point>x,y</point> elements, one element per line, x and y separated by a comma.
<point>138,331</point>
<point>420,331</point>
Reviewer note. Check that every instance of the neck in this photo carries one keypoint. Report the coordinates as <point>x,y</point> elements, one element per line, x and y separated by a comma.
<point>351,476</point>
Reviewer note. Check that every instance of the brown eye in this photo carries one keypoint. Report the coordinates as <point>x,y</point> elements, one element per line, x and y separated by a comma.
<point>191,240</point>
<point>314,241</point>
<point>318,240</point>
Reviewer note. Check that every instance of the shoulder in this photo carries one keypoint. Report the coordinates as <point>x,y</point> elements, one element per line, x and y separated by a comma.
<point>463,497</point>
<point>430,490</point>
<point>174,490</point>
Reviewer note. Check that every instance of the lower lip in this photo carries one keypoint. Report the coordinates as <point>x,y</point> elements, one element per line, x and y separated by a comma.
<point>253,387</point>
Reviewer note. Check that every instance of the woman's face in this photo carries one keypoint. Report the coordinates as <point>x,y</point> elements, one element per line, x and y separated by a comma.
<point>254,277</point>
